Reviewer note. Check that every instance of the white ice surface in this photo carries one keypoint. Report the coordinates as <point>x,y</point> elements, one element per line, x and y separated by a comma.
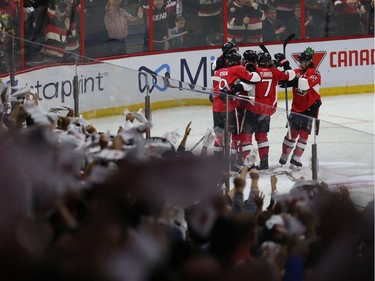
<point>345,142</point>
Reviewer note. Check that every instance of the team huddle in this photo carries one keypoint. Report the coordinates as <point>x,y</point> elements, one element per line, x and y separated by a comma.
<point>246,87</point>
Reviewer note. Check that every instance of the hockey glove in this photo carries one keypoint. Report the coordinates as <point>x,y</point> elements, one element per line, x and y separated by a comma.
<point>293,83</point>
<point>236,88</point>
<point>287,67</point>
<point>223,94</point>
<point>281,60</point>
<point>211,98</point>
<point>250,67</point>
<point>274,64</point>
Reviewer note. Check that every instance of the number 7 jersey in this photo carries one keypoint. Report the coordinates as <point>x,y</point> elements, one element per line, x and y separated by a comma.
<point>266,90</point>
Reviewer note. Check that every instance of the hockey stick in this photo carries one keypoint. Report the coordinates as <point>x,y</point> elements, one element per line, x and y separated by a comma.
<point>290,37</point>
<point>264,48</point>
<point>198,142</point>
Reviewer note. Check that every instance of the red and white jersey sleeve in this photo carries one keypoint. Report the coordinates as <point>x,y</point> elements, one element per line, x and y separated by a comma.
<point>266,90</point>
<point>223,80</point>
<point>307,91</point>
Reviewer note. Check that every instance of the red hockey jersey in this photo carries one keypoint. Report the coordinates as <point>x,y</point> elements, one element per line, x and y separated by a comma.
<point>266,90</point>
<point>223,80</point>
<point>308,89</point>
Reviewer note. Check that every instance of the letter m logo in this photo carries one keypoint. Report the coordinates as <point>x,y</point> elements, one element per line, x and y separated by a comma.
<point>193,80</point>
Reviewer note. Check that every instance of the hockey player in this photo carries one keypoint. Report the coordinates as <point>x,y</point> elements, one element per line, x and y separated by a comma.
<point>223,82</point>
<point>305,106</point>
<point>257,114</point>
<point>226,48</point>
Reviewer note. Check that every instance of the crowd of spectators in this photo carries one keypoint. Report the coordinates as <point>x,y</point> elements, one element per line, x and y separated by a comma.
<point>78,204</point>
<point>53,26</point>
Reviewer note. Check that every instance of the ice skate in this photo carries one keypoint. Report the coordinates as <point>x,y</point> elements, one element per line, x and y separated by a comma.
<point>263,165</point>
<point>283,159</point>
<point>295,165</point>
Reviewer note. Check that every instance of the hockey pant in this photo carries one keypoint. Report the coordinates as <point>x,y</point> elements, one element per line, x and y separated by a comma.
<point>303,121</point>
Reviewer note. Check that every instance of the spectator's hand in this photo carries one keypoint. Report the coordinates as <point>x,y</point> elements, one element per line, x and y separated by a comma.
<point>281,30</point>
<point>273,184</point>
<point>67,23</point>
<point>70,112</point>
<point>254,175</point>
<point>32,97</point>
<point>239,183</point>
<point>362,10</point>
<point>339,5</point>
<point>140,13</point>
<point>103,141</point>
<point>246,20</point>
<point>324,186</point>
<point>309,21</point>
<point>90,129</point>
<point>118,142</point>
<point>344,192</point>
<point>188,129</point>
<point>129,117</point>
<point>254,5</point>
<point>259,199</point>
<point>138,115</point>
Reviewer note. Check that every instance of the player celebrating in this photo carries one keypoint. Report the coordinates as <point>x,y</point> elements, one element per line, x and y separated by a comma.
<point>306,102</point>
<point>223,82</point>
<point>226,48</point>
<point>257,115</point>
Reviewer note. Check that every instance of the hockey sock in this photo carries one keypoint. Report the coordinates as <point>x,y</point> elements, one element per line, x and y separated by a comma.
<point>288,143</point>
<point>301,145</point>
<point>246,144</point>
<point>263,144</point>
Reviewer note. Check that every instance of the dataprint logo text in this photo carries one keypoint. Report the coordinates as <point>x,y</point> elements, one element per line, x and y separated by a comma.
<point>64,89</point>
